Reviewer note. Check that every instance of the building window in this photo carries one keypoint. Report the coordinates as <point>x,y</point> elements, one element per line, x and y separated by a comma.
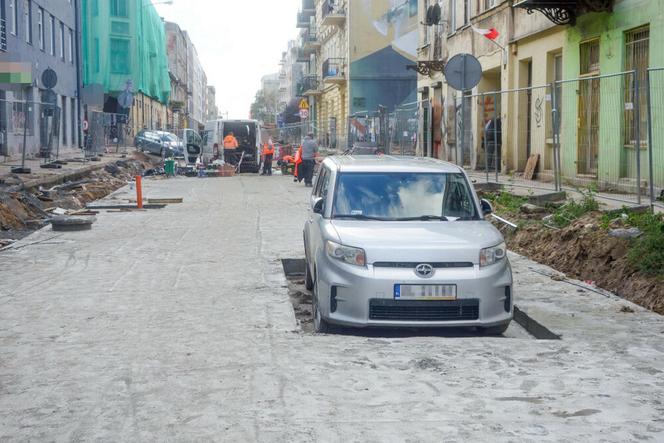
<point>119,8</point>
<point>96,55</point>
<point>452,15</point>
<point>13,17</point>
<point>95,8</point>
<point>27,5</point>
<point>62,40</point>
<point>119,56</point>
<point>71,45</point>
<point>40,25</point>
<point>412,8</point>
<point>466,11</point>
<point>119,27</point>
<point>51,21</point>
<point>3,27</point>
<point>637,58</point>
<point>589,57</point>
<point>488,4</point>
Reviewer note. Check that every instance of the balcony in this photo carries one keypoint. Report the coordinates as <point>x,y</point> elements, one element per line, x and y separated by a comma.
<point>332,14</point>
<point>564,12</point>
<point>303,20</point>
<point>333,71</point>
<point>3,34</point>
<point>301,56</point>
<point>310,85</point>
<point>309,7</point>
<point>310,41</point>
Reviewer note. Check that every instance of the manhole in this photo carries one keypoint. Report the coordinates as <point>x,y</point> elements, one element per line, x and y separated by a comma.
<point>69,223</point>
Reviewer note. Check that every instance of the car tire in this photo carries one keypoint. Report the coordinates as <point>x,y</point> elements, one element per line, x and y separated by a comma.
<point>308,281</point>
<point>495,330</point>
<point>320,325</point>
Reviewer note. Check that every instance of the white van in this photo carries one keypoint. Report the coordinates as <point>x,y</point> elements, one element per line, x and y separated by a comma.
<point>248,135</point>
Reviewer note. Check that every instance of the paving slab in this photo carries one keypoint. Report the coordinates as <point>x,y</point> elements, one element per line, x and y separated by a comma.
<point>175,324</point>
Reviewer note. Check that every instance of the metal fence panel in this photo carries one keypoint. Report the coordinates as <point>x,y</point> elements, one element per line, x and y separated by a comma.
<point>34,126</point>
<point>655,118</point>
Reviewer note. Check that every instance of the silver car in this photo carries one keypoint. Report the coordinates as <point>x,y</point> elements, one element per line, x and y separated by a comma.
<point>402,242</point>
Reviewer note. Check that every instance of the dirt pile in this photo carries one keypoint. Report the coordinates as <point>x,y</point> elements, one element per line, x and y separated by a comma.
<point>585,251</point>
<point>22,212</point>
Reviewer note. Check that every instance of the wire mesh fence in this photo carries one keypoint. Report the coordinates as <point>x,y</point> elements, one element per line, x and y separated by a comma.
<point>30,128</point>
<point>107,132</point>
<point>602,132</point>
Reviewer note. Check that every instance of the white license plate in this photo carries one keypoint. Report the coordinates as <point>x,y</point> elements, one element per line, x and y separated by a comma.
<point>425,292</point>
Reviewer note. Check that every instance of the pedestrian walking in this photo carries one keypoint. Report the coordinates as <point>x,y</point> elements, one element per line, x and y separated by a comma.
<point>309,154</point>
<point>268,155</point>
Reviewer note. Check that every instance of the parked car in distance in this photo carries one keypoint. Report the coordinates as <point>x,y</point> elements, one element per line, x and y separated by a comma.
<point>161,143</point>
<point>403,242</point>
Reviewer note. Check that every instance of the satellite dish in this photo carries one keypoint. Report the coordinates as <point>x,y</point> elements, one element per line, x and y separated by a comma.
<point>49,78</point>
<point>433,15</point>
<point>463,72</point>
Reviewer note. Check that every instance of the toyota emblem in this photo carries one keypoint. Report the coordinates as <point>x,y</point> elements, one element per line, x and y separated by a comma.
<point>424,270</point>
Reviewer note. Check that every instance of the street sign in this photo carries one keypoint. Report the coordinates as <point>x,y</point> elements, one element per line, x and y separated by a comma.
<point>304,114</point>
<point>49,78</point>
<point>463,72</point>
<point>304,104</point>
<point>126,99</point>
<point>50,97</point>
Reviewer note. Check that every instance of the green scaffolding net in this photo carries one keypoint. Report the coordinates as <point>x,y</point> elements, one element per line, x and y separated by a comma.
<point>125,40</point>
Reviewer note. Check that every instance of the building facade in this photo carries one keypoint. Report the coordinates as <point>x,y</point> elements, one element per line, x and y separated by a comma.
<point>594,51</point>
<point>178,68</point>
<point>347,84</point>
<point>124,49</point>
<point>211,109</point>
<point>41,34</point>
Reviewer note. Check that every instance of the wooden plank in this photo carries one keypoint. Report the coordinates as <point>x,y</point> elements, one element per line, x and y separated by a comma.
<point>531,167</point>
<point>164,200</point>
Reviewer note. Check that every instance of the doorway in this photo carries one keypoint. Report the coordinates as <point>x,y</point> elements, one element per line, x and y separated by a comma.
<point>588,117</point>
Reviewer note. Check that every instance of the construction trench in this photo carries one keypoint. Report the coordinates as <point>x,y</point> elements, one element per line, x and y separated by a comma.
<point>28,206</point>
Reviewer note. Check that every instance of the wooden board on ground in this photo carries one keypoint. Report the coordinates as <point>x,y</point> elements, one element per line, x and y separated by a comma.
<point>165,200</point>
<point>531,167</point>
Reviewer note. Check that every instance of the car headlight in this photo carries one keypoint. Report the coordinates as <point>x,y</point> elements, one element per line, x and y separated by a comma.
<point>347,254</point>
<point>494,254</point>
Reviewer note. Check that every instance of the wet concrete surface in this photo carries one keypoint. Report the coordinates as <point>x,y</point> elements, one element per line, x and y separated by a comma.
<point>176,324</point>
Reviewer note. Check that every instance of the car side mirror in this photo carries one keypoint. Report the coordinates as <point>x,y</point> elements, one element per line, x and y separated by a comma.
<point>486,207</point>
<point>319,203</point>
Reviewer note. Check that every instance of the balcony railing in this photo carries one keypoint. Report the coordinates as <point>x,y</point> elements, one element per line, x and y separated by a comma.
<point>333,69</point>
<point>332,14</point>
<point>301,56</point>
<point>310,41</point>
<point>310,85</point>
<point>309,7</point>
<point>303,20</point>
<point>3,35</point>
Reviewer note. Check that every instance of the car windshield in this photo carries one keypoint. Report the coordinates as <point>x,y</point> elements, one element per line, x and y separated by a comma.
<point>169,138</point>
<point>402,196</point>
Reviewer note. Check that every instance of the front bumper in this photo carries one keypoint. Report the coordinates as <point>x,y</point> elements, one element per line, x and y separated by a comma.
<point>361,296</point>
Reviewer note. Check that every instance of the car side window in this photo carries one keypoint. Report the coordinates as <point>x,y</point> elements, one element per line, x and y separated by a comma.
<point>319,182</point>
<point>326,183</point>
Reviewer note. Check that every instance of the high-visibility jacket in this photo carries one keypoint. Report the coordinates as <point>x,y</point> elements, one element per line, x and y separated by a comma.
<point>230,142</point>
<point>268,149</point>
<point>298,160</point>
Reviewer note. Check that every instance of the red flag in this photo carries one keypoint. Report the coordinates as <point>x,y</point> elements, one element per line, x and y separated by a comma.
<point>491,34</point>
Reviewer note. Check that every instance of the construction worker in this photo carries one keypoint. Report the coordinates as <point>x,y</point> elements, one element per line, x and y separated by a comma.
<point>230,145</point>
<point>298,161</point>
<point>309,152</point>
<point>268,155</point>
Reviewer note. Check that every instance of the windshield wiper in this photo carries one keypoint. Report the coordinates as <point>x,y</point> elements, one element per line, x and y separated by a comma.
<point>423,218</point>
<point>359,217</point>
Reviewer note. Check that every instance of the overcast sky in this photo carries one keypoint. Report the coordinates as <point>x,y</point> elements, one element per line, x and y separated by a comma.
<point>238,41</point>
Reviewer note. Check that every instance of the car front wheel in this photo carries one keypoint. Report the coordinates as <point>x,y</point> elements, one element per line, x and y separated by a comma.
<point>320,325</point>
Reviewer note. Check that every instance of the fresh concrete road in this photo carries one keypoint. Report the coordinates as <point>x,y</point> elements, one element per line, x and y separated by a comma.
<point>175,325</point>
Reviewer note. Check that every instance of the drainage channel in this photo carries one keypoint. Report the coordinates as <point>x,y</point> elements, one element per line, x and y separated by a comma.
<point>523,325</point>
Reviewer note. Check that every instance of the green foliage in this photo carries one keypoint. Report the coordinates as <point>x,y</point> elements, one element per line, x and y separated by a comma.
<point>646,252</point>
<point>505,202</point>
<point>573,210</point>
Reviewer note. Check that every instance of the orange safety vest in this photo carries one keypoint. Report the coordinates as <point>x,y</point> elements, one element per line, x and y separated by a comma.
<point>298,160</point>
<point>268,149</point>
<point>230,142</point>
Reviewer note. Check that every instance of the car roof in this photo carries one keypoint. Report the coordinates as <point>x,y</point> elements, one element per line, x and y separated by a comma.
<point>391,163</point>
